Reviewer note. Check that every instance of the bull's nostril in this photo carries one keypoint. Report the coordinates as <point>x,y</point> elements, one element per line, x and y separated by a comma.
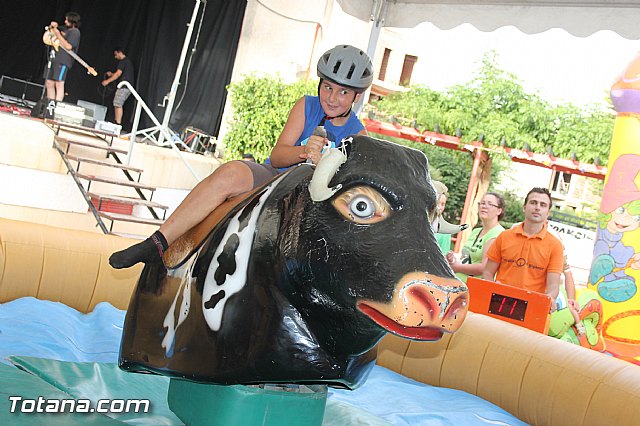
<point>429,302</point>
<point>422,307</point>
<point>459,306</point>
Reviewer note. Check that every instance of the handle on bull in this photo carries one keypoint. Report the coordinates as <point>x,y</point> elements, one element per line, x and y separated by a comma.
<point>322,132</point>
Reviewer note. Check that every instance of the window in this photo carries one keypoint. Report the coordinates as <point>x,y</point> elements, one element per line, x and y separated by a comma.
<point>407,69</point>
<point>561,182</point>
<point>383,66</point>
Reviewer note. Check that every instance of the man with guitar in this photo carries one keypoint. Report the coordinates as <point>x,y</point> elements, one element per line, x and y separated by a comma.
<point>69,39</point>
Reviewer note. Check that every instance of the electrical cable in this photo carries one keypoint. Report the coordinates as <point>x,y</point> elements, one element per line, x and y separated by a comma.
<point>193,51</point>
<point>304,21</point>
<point>105,91</point>
<point>288,17</point>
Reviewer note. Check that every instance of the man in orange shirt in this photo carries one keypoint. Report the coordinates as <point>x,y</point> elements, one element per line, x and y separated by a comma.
<point>528,256</point>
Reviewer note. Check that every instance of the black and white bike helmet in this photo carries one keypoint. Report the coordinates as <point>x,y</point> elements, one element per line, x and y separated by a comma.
<point>347,66</point>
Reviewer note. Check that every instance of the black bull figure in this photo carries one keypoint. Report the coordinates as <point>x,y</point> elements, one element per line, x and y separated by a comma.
<point>285,289</point>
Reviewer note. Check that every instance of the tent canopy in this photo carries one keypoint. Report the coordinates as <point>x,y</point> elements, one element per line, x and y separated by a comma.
<point>579,17</point>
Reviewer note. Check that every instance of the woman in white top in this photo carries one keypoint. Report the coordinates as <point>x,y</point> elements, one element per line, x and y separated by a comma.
<point>474,252</point>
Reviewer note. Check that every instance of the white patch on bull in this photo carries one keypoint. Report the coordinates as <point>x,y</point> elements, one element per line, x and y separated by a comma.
<point>326,249</point>
<point>170,322</point>
<point>448,290</point>
<point>236,281</point>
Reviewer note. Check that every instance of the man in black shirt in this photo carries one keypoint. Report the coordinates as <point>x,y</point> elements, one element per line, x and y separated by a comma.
<point>69,38</point>
<point>124,72</point>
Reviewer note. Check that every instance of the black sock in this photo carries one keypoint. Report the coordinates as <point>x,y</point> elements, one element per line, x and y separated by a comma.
<point>147,251</point>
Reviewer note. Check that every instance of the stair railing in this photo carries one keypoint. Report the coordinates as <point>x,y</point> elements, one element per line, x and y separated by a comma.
<point>83,191</point>
<point>169,135</point>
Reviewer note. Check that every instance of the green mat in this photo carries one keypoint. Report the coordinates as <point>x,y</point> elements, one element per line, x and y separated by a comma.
<point>54,380</point>
<point>17,383</point>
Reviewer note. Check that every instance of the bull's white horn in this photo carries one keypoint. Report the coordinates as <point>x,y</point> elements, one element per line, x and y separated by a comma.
<point>326,168</point>
<point>445,227</point>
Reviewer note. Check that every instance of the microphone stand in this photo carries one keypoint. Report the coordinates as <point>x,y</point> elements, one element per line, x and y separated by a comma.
<point>52,56</point>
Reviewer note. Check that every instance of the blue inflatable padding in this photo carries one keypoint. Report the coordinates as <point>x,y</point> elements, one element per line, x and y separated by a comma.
<point>403,401</point>
<point>44,329</point>
<point>34,328</point>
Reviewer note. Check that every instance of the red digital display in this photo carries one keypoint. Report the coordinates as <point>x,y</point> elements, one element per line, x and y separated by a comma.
<point>511,304</point>
<point>509,307</point>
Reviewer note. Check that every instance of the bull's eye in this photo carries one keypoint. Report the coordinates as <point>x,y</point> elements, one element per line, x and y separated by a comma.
<point>362,207</point>
<point>362,204</point>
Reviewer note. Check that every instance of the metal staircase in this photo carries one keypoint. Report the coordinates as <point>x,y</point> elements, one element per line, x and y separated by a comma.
<point>69,138</point>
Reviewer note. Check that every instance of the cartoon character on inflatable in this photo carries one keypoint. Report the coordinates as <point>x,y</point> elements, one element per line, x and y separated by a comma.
<point>582,327</point>
<point>612,257</point>
<point>615,268</point>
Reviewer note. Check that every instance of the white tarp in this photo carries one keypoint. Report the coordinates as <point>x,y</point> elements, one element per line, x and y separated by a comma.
<point>578,17</point>
<point>578,244</point>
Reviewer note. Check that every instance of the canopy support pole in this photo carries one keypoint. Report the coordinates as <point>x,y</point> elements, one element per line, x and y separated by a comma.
<point>378,13</point>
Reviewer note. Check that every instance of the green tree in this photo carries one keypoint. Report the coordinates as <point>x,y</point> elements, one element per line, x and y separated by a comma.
<point>261,106</point>
<point>513,212</point>
<point>492,104</point>
<point>495,105</point>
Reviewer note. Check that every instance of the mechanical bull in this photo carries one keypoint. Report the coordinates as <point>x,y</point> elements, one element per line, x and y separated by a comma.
<point>298,281</point>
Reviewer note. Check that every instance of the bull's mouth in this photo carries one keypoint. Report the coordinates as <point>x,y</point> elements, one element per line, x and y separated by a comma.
<point>409,332</point>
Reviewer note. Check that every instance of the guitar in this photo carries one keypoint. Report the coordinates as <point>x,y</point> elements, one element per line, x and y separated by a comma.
<point>51,40</point>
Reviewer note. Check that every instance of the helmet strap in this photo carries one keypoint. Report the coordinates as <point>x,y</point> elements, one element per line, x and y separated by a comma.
<point>326,117</point>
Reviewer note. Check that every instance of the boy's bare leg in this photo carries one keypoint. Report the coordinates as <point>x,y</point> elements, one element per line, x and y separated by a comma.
<point>228,180</point>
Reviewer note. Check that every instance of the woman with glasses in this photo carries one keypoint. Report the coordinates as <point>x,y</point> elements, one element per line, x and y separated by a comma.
<point>474,253</point>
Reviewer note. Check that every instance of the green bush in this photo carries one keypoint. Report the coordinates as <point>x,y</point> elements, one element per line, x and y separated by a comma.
<point>261,106</point>
<point>513,212</point>
<point>453,168</point>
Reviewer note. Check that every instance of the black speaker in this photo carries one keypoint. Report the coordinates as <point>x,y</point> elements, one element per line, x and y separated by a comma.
<point>44,108</point>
